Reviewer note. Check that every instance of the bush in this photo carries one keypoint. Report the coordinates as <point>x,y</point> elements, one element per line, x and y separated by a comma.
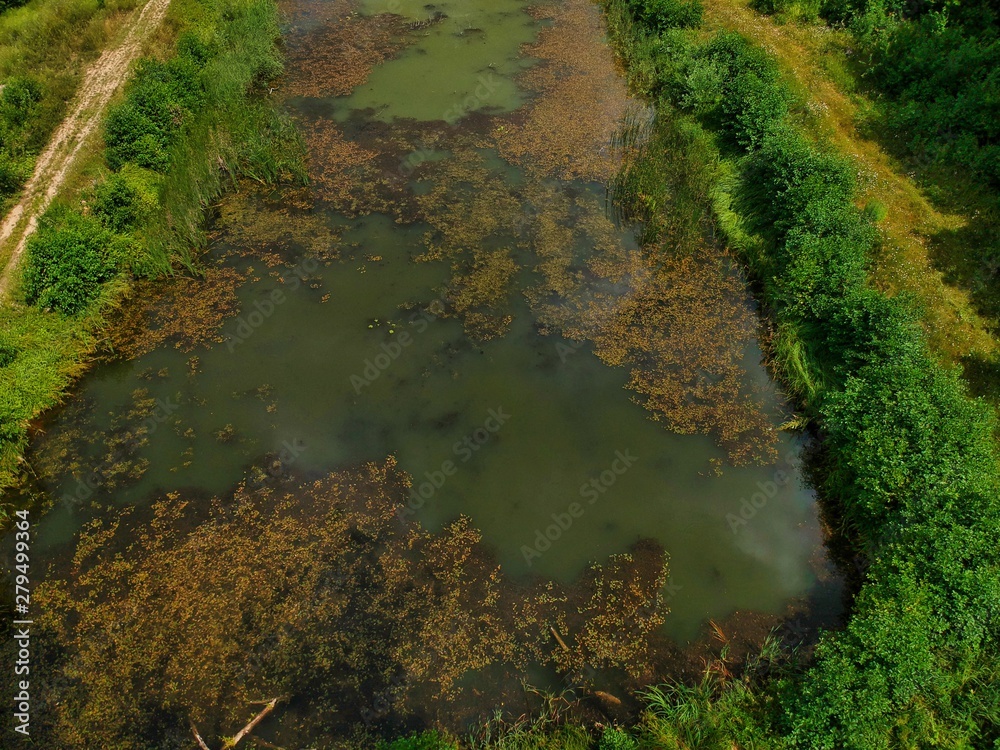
<point>158,102</point>
<point>936,63</point>
<point>752,99</point>
<point>20,95</point>
<point>615,739</point>
<point>125,199</point>
<point>660,15</point>
<point>790,182</point>
<point>69,257</point>
<point>14,172</point>
<point>423,741</point>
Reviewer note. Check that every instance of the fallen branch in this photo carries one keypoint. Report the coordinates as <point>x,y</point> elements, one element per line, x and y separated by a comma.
<point>234,741</point>
<point>201,742</point>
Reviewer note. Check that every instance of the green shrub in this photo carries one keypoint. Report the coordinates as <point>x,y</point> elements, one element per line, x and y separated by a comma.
<point>909,466</point>
<point>69,257</point>
<point>752,99</point>
<point>20,95</point>
<point>616,739</point>
<point>125,199</point>
<point>660,15</point>
<point>790,182</point>
<point>14,172</point>
<point>935,63</point>
<point>158,102</point>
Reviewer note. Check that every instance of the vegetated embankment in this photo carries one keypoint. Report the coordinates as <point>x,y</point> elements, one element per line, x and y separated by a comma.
<point>100,83</point>
<point>191,121</point>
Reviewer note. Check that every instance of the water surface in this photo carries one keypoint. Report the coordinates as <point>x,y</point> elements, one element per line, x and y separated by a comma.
<point>419,331</point>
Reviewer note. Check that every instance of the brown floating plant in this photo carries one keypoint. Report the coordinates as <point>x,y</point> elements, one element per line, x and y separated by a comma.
<point>568,128</point>
<point>317,592</point>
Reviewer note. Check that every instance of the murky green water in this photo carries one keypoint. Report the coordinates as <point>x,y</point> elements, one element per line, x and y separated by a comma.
<point>461,64</point>
<point>529,434</point>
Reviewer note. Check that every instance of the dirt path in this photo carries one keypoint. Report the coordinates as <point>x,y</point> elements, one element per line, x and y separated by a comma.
<point>100,83</point>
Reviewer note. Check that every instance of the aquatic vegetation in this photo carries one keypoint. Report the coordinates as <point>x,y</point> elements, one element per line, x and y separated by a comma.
<point>480,291</point>
<point>315,592</point>
<point>89,465</point>
<point>344,173</point>
<point>187,312</point>
<point>468,203</point>
<point>678,317</point>
<point>253,224</point>
<point>567,129</point>
<point>338,50</point>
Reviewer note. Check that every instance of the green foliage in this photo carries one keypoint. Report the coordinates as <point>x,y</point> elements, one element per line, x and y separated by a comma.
<point>159,101</point>
<point>8,353</point>
<point>660,15</point>
<point>421,741</point>
<point>753,100</point>
<point>18,104</point>
<point>875,211</point>
<point>909,464</point>
<point>44,46</point>
<point>195,111</point>
<point>938,65</point>
<point>219,124</point>
<point>19,98</point>
<point>803,10</point>
<point>126,199</point>
<point>69,257</point>
<point>14,172</point>
<point>614,738</point>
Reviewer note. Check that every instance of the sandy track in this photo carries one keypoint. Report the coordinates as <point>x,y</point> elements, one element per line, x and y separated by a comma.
<point>100,82</point>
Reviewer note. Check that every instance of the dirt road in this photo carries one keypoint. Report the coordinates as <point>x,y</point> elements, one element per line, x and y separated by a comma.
<point>101,81</point>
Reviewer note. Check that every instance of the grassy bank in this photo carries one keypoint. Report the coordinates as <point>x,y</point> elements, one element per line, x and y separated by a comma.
<point>192,119</point>
<point>906,89</point>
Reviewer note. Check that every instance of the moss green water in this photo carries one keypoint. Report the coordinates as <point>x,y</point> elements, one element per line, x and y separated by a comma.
<point>460,62</point>
<point>529,434</point>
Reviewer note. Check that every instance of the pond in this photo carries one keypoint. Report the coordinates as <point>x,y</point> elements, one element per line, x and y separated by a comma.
<point>453,290</point>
